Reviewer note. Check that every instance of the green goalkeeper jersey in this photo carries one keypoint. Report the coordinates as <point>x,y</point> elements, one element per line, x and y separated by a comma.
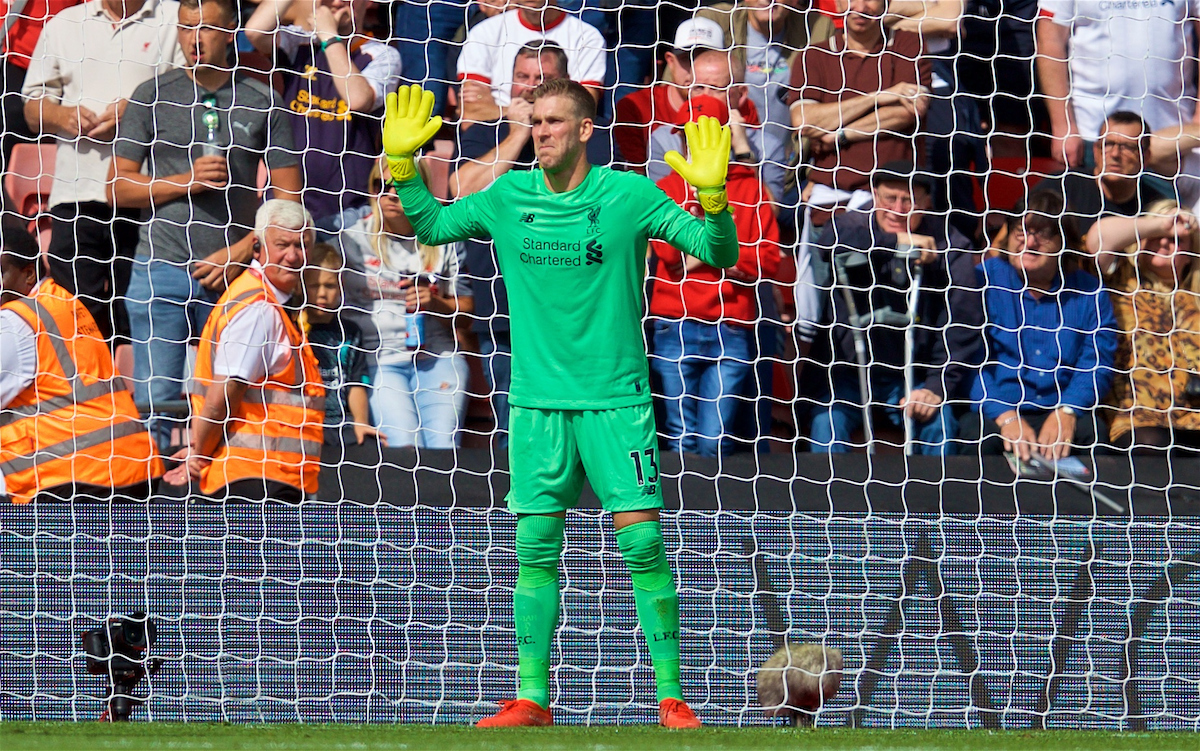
<point>574,264</point>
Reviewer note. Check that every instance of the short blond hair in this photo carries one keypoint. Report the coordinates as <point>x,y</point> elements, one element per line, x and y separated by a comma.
<point>582,101</point>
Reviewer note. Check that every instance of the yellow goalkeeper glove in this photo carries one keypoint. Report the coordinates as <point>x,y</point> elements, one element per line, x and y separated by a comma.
<point>407,125</point>
<point>708,145</point>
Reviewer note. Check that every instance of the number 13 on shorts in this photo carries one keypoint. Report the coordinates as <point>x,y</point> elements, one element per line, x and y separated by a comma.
<point>645,467</point>
<point>623,454</point>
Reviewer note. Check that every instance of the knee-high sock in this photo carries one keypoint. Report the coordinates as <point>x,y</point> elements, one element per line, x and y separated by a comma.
<point>657,601</point>
<point>535,602</point>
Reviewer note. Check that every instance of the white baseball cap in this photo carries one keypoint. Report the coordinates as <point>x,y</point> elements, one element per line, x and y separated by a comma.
<point>699,32</point>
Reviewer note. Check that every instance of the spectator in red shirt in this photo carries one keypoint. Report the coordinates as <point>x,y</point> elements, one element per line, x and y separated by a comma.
<point>704,340</point>
<point>640,113</point>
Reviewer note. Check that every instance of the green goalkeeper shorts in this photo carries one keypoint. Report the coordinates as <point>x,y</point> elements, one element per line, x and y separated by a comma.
<point>550,451</point>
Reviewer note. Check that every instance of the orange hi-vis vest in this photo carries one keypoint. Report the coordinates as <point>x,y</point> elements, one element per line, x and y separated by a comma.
<point>73,424</point>
<point>277,430</point>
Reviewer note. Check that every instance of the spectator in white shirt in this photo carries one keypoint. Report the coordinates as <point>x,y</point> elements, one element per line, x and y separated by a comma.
<point>86,65</point>
<point>1096,58</point>
<point>486,63</point>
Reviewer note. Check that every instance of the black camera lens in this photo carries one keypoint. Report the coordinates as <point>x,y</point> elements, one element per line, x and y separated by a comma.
<point>138,631</point>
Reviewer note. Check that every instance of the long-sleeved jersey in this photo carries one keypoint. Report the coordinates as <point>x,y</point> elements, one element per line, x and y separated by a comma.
<point>574,264</point>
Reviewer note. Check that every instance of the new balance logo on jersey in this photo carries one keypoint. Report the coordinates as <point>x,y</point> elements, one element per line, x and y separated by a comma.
<point>594,253</point>
<point>527,218</point>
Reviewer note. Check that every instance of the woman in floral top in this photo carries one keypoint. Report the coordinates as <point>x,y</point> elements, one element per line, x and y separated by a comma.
<point>419,385</point>
<point>1151,268</point>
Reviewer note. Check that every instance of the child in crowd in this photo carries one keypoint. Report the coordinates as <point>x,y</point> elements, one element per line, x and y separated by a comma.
<point>337,343</point>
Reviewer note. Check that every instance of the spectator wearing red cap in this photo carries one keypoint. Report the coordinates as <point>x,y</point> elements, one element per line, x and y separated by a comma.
<point>704,317</point>
<point>699,43</point>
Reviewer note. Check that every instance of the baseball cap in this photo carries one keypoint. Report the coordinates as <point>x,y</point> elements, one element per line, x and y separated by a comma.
<point>699,33</point>
<point>693,108</point>
<point>902,171</point>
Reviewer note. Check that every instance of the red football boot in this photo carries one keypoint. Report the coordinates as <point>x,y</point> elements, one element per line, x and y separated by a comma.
<point>522,713</point>
<point>675,714</point>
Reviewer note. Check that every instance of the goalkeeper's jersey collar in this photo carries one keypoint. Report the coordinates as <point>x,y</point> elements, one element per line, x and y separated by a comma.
<point>583,186</point>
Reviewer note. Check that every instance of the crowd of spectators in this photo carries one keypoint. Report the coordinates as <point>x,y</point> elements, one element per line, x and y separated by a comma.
<point>880,289</point>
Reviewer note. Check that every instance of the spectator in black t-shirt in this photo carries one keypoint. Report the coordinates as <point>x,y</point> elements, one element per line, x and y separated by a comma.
<point>1117,186</point>
<point>337,343</point>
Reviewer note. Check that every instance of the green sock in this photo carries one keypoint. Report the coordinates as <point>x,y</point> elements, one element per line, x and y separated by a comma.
<point>535,602</point>
<point>657,601</point>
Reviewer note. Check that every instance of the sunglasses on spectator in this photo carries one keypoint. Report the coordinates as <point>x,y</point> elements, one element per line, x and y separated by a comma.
<point>381,189</point>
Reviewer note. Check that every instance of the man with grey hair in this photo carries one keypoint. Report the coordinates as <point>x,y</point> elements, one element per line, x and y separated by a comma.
<point>201,153</point>
<point>258,400</point>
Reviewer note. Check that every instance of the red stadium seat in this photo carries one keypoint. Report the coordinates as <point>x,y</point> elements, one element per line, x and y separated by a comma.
<point>29,178</point>
<point>1010,180</point>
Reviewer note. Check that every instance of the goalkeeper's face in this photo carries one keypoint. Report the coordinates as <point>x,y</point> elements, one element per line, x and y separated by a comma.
<point>560,135</point>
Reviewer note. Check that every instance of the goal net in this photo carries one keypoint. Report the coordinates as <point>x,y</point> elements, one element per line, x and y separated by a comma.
<point>962,590</point>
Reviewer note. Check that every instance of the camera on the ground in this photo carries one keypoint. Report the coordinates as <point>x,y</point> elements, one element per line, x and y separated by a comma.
<point>119,649</point>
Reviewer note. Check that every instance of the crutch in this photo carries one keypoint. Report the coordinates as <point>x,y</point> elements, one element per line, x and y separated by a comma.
<point>914,298</point>
<point>841,261</point>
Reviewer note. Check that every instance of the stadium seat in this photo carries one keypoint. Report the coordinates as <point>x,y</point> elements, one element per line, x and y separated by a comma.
<point>29,178</point>
<point>1010,180</point>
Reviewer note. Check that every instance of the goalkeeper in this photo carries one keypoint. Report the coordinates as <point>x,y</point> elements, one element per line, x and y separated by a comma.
<point>571,245</point>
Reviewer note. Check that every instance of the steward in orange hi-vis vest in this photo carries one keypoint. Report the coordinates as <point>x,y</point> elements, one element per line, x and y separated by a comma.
<point>72,424</point>
<point>275,432</point>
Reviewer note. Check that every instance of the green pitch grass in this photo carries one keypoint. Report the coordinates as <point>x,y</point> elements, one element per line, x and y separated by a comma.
<point>92,736</point>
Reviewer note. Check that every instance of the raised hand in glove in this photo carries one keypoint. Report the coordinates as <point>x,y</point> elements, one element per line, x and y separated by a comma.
<point>407,125</point>
<point>708,145</point>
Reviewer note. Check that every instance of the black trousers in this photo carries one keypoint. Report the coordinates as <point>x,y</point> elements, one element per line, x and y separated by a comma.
<point>257,491</point>
<point>91,255</point>
<point>12,118</point>
<point>83,493</point>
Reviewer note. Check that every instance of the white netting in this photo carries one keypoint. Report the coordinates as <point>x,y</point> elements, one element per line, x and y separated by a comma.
<point>959,594</point>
